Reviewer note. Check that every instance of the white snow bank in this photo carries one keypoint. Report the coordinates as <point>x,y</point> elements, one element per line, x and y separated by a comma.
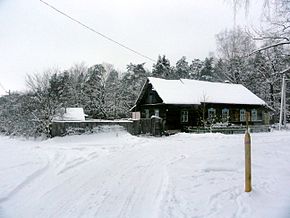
<point>185,91</point>
<point>114,174</point>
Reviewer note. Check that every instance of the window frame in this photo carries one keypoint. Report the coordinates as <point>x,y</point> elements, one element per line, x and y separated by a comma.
<point>243,115</point>
<point>209,115</point>
<point>184,116</point>
<point>254,116</point>
<point>225,119</point>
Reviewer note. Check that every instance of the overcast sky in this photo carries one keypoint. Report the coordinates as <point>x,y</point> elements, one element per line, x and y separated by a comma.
<point>34,38</point>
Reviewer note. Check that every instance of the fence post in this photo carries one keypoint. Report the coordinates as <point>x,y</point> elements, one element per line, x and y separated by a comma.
<point>248,173</point>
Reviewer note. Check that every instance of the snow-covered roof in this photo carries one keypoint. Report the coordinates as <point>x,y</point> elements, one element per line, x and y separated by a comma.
<point>71,114</point>
<point>185,91</point>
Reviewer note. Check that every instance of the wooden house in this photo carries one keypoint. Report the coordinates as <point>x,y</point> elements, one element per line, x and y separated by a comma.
<point>191,103</point>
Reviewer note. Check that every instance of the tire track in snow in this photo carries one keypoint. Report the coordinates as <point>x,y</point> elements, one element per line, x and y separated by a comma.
<point>138,181</point>
<point>1,213</point>
<point>242,210</point>
<point>141,171</point>
<point>16,166</point>
<point>72,164</point>
<point>63,163</point>
<point>29,179</point>
<point>169,193</point>
<point>221,199</point>
<point>129,196</point>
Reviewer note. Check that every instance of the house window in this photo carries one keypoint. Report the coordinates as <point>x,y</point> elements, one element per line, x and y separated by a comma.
<point>136,115</point>
<point>211,114</point>
<point>225,115</point>
<point>147,115</point>
<point>242,115</point>
<point>156,112</point>
<point>184,116</point>
<point>254,115</point>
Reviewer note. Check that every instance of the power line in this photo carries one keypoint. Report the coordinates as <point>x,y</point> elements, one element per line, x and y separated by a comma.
<point>95,31</point>
<point>3,87</point>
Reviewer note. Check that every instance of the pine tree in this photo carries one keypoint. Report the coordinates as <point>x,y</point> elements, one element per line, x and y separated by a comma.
<point>131,85</point>
<point>162,68</point>
<point>207,71</point>
<point>182,69</point>
<point>95,92</point>
<point>195,69</point>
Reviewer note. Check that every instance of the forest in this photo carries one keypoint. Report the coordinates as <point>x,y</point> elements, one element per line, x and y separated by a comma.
<point>252,59</point>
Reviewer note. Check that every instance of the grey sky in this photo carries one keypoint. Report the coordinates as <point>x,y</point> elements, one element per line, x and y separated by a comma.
<point>34,38</point>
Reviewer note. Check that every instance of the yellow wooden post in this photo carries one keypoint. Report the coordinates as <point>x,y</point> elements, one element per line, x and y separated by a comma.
<point>248,174</point>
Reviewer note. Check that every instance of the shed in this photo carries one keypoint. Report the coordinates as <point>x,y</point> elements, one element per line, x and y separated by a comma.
<point>70,114</point>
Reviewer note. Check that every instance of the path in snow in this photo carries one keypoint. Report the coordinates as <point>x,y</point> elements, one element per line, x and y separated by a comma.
<point>114,174</point>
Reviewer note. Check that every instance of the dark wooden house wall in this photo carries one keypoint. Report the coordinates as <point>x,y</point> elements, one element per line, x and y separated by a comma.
<point>171,114</point>
<point>150,96</point>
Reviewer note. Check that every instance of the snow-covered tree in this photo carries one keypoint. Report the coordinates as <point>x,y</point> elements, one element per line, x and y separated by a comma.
<point>112,95</point>
<point>95,92</point>
<point>195,69</point>
<point>207,71</point>
<point>78,77</point>
<point>233,48</point>
<point>45,97</point>
<point>182,69</point>
<point>162,68</point>
<point>266,78</point>
<point>275,27</point>
<point>131,85</point>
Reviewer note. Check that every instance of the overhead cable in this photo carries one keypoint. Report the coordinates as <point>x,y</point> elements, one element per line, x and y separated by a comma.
<point>97,32</point>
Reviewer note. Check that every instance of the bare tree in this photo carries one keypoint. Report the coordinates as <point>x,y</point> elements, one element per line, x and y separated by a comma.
<point>232,47</point>
<point>78,76</point>
<point>39,87</point>
<point>276,23</point>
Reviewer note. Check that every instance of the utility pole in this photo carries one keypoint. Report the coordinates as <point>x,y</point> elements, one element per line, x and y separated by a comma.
<point>285,103</point>
<point>282,105</point>
<point>283,111</point>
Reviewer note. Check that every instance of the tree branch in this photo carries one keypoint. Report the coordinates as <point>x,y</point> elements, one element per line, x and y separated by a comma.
<point>271,37</point>
<point>269,46</point>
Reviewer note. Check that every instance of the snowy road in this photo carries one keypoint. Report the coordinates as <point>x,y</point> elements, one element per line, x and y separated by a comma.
<point>114,174</point>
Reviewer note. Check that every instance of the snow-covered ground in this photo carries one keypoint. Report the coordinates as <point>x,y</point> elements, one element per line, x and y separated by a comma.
<point>114,174</point>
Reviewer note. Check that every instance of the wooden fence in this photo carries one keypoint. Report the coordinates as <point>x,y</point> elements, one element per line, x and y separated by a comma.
<point>153,126</point>
<point>61,128</point>
<point>229,129</point>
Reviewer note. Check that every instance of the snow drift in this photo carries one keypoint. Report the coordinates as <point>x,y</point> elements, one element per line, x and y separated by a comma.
<point>114,174</point>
